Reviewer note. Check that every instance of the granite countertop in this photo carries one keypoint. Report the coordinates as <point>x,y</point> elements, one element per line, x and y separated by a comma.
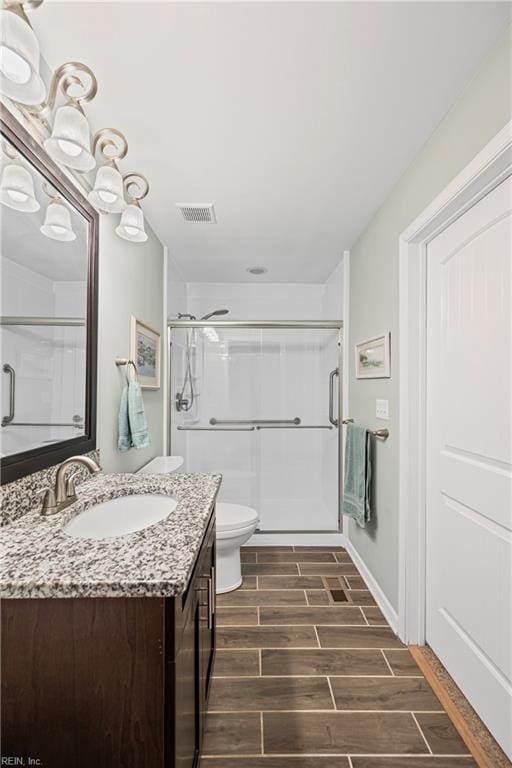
<point>37,559</point>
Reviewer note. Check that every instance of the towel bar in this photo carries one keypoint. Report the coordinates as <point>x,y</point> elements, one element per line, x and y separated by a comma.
<point>382,434</point>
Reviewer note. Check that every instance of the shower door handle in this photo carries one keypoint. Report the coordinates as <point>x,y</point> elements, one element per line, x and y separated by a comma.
<point>12,393</point>
<point>333,375</point>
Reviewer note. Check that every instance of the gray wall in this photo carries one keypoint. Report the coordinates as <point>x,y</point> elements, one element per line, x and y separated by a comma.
<point>474,119</point>
<point>131,279</point>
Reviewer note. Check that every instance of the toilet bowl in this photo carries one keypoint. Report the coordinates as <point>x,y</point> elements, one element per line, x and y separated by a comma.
<point>235,524</point>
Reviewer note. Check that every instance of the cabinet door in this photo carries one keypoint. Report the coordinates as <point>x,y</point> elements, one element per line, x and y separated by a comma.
<point>185,704</point>
<point>82,682</point>
<point>195,648</point>
<point>206,624</point>
<point>208,630</point>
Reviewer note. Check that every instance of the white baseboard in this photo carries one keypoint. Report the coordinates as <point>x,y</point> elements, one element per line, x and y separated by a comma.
<point>382,601</point>
<point>296,539</point>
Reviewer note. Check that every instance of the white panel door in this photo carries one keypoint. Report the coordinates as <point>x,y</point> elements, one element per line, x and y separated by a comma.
<point>469,456</point>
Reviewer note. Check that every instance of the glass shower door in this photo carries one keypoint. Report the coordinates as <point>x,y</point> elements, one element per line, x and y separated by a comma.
<point>260,416</point>
<point>204,381</point>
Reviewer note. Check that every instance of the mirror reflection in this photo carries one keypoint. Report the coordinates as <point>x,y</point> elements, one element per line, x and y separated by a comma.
<point>44,266</point>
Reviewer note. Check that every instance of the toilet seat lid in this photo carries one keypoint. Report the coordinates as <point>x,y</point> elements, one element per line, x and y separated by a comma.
<point>231,517</point>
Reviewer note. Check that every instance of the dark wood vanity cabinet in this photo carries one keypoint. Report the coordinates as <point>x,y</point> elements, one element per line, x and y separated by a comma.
<point>116,682</point>
<point>194,655</point>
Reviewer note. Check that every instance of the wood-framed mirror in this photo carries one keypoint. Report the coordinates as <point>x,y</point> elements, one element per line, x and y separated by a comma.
<point>49,309</point>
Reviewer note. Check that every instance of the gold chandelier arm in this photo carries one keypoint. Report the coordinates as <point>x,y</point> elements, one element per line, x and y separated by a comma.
<point>111,143</point>
<point>68,76</point>
<point>136,186</point>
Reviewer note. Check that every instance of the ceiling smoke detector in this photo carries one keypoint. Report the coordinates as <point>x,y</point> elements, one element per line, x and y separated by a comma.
<point>257,270</point>
<point>198,213</point>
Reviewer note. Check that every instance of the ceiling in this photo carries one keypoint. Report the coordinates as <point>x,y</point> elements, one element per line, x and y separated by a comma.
<point>294,119</point>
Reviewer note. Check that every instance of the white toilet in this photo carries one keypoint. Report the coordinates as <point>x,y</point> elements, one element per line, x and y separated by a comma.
<point>162,465</point>
<point>235,525</point>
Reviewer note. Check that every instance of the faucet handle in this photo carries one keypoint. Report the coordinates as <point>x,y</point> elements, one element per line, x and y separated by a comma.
<point>49,506</point>
<point>70,486</point>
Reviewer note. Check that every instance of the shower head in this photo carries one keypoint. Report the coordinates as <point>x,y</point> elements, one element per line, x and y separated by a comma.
<point>215,313</point>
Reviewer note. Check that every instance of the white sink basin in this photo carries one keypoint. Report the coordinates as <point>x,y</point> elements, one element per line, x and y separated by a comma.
<point>120,516</point>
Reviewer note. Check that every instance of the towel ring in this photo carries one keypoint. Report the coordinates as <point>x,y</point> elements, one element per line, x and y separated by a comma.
<point>120,361</point>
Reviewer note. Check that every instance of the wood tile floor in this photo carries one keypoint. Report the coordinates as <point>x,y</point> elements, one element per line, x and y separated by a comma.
<point>309,674</point>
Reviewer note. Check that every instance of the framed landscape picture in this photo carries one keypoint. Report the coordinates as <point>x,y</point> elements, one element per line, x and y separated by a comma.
<point>145,351</point>
<point>373,358</point>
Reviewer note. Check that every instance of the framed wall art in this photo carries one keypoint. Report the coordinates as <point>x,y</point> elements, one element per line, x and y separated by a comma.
<point>373,358</point>
<point>145,352</point>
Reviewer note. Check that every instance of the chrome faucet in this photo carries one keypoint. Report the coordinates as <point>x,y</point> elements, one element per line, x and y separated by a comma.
<point>63,493</point>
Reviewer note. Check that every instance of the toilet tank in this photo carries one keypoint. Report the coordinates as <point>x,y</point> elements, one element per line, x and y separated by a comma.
<point>162,465</point>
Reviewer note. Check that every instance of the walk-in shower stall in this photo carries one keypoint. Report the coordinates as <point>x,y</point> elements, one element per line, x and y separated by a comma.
<point>260,402</point>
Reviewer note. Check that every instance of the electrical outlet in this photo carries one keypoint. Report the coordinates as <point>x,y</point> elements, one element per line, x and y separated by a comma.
<point>382,409</point>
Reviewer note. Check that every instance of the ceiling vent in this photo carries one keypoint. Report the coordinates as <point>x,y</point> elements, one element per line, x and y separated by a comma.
<point>198,213</point>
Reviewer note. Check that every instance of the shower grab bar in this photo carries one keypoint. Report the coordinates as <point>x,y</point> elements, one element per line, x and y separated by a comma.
<point>297,426</point>
<point>295,421</point>
<point>333,374</point>
<point>215,429</point>
<point>9,420</point>
<point>6,368</point>
<point>43,321</point>
<point>76,425</point>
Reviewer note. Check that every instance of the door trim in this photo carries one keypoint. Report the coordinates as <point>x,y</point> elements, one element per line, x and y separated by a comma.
<point>486,171</point>
<point>345,384</point>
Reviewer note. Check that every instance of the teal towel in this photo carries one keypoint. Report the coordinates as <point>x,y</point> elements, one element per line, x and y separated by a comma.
<point>132,424</point>
<point>124,438</point>
<point>358,474</point>
<point>137,416</point>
